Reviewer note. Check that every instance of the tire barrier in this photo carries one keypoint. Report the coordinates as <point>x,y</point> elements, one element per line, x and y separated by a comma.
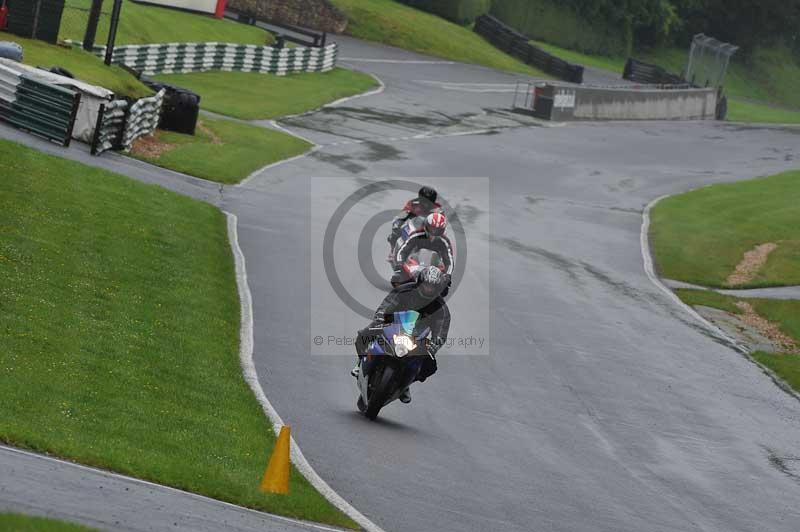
<point>181,58</point>
<point>640,72</point>
<point>142,119</point>
<point>110,126</point>
<point>567,103</point>
<point>181,107</point>
<point>519,46</point>
<point>40,108</point>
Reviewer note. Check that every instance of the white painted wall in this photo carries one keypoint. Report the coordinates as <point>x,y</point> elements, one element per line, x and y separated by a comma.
<point>204,6</point>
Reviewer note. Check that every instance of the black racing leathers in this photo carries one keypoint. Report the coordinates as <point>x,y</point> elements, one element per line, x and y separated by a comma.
<point>418,241</point>
<point>434,314</point>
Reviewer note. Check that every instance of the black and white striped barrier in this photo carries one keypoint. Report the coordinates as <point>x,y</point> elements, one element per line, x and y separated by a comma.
<point>151,59</point>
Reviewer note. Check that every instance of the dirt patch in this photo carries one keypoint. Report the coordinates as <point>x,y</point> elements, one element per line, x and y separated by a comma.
<point>151,146</point>
<point>207,131</point>
<point>783,342</point>
<point>750,265</point>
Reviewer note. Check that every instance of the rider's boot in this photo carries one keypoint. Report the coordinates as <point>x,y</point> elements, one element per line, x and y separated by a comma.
<point>405,396</point>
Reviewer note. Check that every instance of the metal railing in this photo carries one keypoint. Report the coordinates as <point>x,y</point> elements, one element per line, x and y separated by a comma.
<point>519,46</point>
<point>282,31</point>
<point>40,108</point>
<point>641,72</point>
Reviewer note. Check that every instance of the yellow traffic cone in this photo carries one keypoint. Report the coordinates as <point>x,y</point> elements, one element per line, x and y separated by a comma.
<point>276,477</point>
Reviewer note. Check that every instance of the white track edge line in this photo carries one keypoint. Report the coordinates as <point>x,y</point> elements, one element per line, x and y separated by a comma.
<point>647,258</point>
<point>397,61</point>
<point>377,90</point>
<point>251,376</point>
<point>190,494</point>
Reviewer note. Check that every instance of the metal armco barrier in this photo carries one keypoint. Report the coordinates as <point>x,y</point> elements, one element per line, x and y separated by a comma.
<point>640,72</point>
<point>110,126</point>
<point>181,58</point>
<point>142,119</point>
<point>519,46</point>
<point>40,108</point>
<point>573,102</point>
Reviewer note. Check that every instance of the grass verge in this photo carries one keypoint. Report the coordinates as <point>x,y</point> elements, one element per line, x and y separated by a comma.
<point>785,313</point>
<point>700,236</point>
<point>787,367</point>
<point>121,334</point>
<point>24,523</point>
<point>399,25</point>
<point>761,90</point>
<point>708,298</point>
<point>142,24</point>
<point>221,150</point>
<point>746,111</point>
<point>254,96</point>
<point>83,65</point>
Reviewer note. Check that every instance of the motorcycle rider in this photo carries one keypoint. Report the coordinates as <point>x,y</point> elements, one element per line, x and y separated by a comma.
<point>421,206</point>
<point>431,237</point>
<point>424,296</point>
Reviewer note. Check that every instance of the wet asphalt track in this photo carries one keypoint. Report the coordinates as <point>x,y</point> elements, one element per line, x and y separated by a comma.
<point>603,406</point>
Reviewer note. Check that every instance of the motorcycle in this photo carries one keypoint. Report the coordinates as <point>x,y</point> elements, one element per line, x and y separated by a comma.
<point>415,263</point>
<point>391,362</point>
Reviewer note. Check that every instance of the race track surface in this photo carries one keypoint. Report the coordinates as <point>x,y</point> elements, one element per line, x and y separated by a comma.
<point>603,406</point>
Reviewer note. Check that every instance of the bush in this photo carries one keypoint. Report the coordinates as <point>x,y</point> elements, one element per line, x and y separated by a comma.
<point>458,11</point>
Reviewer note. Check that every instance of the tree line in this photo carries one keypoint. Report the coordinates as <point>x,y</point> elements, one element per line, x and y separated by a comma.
<point>746,23</point>
<point>637,23</point>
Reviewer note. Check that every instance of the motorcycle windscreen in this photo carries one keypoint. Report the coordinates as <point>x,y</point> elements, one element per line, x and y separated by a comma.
<point>406,320</point>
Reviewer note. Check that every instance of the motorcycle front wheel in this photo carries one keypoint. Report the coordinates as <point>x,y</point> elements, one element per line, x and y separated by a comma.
<point>380,393</point>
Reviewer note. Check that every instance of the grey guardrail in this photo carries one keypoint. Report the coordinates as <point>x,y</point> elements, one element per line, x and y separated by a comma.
<point>181,58</point>
<point>519,46</point>
<point>578,102</point>
<point>40,108</point>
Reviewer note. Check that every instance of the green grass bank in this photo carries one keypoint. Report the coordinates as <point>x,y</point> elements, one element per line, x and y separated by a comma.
<point>701,236</point>
<point>143,24</point>
<point>254,96</point>
<point>220,150</point>
<point>83,65</point>
<point>22,523</point>
<point>399,25</point>
<point>121,334</point>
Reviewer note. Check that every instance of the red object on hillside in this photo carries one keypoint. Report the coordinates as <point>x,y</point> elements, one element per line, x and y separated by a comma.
<point>220,13</point>
<point>4,16</point>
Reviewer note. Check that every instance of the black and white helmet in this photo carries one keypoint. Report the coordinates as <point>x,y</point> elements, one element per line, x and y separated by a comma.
<point>431,282</point>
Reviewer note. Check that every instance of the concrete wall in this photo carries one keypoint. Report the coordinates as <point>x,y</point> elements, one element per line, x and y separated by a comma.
<point>319,15</point>
<point>203,6</point>
<point>591,103</point>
